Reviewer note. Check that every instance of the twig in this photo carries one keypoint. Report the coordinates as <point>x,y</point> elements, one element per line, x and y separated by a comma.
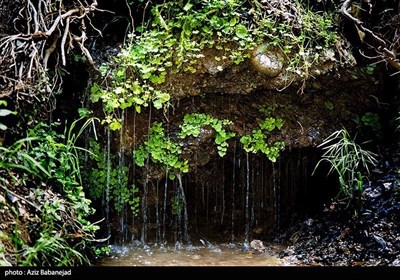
<point>35,17</point>
<point>50,50</point>
<point>60,17</point>
<point>64,38</point>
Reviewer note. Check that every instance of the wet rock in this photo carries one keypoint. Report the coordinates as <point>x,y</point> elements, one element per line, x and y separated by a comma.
<point>338,237</point>
<point>380,241</point>
<point>309,222</point>
<point>257,245</point>
<point>267,60</point>
<point>216,250</point>
<point>396,262</point>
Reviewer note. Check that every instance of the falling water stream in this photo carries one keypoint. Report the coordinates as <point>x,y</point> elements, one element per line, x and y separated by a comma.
<point>247,221</point>
<point>240,199</point>
<point>106,194</point>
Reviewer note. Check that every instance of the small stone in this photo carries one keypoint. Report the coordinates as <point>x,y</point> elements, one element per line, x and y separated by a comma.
<point>257,245</point>
<point>267,61</point>
<point>309,222</point>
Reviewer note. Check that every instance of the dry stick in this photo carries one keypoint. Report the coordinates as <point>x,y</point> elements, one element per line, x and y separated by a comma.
<point>35,16</point>
<point>39,11</point>
<point>33,56</point>
<point>60,17</point>
<point>80,41</point>
<point>64,38</point>
<point>49,51</point>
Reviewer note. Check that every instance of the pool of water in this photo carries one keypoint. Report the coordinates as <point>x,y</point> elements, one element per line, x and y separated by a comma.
<point>229,254</point>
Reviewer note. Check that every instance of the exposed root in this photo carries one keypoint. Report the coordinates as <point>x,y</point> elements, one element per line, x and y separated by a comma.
<point>45,33</point>
<point>387,50</point>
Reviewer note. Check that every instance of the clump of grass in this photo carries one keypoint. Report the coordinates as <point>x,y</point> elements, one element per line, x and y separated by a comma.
<point>349,160</point>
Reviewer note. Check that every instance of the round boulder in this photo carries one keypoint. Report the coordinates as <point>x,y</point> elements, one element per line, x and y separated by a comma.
<point>267,60</point>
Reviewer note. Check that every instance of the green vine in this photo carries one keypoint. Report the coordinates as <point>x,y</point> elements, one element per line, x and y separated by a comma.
<point>193,122</point>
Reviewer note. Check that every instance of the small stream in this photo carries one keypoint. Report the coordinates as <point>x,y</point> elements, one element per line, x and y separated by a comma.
<point>229,254</point>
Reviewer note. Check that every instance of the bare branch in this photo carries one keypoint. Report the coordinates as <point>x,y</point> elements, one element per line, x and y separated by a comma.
<point>64,38</point>
<point>60,17</point>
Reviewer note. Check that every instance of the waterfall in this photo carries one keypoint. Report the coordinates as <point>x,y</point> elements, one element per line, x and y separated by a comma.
<point>247,210</point>
<point>233,194</point>
<point>121,164</point>
<point>107,188</point>
<point>158,228</point>
<point>143,237</point>
<point>185,214</point>
<point>223,192</point>
<point>276,196</point>
<point>163,241</point>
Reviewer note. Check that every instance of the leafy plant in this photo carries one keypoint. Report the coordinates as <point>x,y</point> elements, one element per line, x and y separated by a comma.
<point>161,149</point>
<point>348,160</point>
<point>61,233</point>
<point>192,124</point>
<point>257,140</point>
<point>369,125</point>
<point>102,250</point>
<point>121,192</point>
<point>174,38</point>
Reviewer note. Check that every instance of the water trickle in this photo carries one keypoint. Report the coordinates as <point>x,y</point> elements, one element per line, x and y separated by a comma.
<point>223,192</point>
<point>215,189</point>
<point>143,237</point>
<point>133,214</point>
<point>121,164</point>
<point>106,200</point>
<point>247,210</point>
<point>155,190</point>
<point>253,190</point>
<point>276,196</point>
<point>185,213</point>
<point>176,217</point>
<point>233,193</point>
<point>163,241</point>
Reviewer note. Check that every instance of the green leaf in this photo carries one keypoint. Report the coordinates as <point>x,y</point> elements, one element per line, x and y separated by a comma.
<point>163,97</point>
<point>6,112</point>
<point>157,79</point>
<point>2,127</point>
<point>119,90</point>
<point>3,102</point>
<point>84,112</point>
<point>157,104</point>
<point>185,168</point>
<point>115,125</point>
<point>188,6</point>
<point>241,31</point>
<point>96,93</point>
